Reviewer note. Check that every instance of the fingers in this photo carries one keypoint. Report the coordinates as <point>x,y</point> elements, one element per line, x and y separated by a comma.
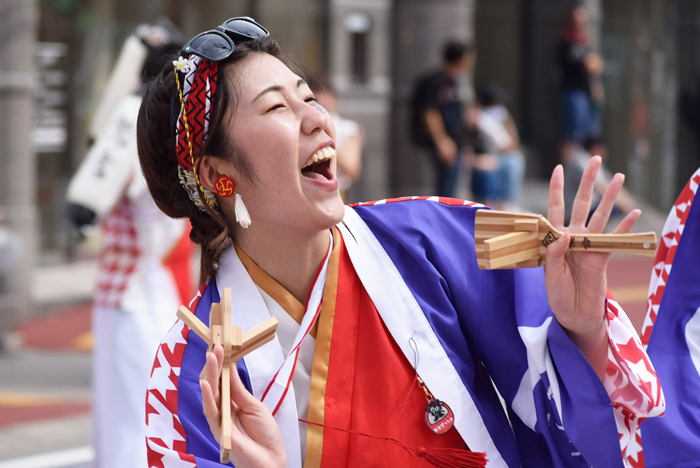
<point>212,369</point>
<point>628,222</point>
<point>211,408</point>
<point>555,264</point>
<point>241,396</point>
<point>209,384</point>
<point>602,214</point>
<point>582,204</point>
<point>219,353</point>
<point>555,209</point>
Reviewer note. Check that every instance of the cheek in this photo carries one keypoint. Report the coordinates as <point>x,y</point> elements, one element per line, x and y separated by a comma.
<point>278,175</point>
<point>270,149</point>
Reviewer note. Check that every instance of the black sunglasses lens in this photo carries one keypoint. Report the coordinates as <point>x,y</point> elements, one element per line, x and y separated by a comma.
<point>245,28</point>
<point>211,46</point>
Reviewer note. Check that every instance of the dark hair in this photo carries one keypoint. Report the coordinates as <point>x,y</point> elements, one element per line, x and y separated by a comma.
<point>578,5</point>
<point>454,51</point>
<point>156,59</point>
<point>593,141</point>
<point>156,148</point>
<point>491,94</point>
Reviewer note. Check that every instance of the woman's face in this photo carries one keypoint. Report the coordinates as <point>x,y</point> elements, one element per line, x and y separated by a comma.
<point>280,129</point>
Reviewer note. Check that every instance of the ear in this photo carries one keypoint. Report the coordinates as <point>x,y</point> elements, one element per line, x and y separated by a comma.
<point>211,168</point>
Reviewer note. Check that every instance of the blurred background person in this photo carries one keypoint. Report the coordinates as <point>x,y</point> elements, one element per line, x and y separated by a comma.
<point>573,171</point>
<point>582,87</point>
<point>349,136</point>
<point>499,127</point>
<point>10,250</point>
<point>145,261</point>
<point>689,107</point>
<point>438,115</point>
<point>485,136</point>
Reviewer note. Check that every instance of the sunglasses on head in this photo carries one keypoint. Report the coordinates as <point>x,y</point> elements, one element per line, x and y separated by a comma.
<point>219,43</point>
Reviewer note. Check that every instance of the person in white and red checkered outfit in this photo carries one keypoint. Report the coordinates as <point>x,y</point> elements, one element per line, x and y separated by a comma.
<point>145,261</point>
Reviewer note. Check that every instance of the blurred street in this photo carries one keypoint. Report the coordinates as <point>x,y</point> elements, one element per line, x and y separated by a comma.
<point>45,392</point>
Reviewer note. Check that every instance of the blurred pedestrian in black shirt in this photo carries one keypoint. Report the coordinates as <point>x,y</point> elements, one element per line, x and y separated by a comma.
<point>438,115</point>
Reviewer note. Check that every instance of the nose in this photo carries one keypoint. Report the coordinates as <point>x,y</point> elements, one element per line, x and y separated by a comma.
<point>313,117</point>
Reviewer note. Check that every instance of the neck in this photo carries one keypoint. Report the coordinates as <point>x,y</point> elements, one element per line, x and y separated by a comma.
<point>451,70</point>
<point>292,260</point>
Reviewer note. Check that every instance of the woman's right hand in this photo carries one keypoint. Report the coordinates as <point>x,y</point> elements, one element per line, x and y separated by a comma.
<point>256,440</point>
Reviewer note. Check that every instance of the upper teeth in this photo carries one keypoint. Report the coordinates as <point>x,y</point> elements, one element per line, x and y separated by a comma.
<point>321,155</point>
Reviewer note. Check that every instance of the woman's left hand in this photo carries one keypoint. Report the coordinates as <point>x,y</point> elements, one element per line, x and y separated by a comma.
<point>577,281</point>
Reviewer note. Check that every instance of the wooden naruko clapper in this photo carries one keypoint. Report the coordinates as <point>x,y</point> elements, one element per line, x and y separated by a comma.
<point>507,240</point>
<point>235,344</point>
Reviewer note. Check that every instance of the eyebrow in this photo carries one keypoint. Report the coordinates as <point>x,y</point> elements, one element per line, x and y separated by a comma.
<point>276,88</point>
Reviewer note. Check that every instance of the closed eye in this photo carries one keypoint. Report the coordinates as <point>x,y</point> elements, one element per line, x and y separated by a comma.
<point>278,106</point>
<point>310,99</point>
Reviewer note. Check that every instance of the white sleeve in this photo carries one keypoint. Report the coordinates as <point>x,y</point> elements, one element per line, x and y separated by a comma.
<point>494,131</point>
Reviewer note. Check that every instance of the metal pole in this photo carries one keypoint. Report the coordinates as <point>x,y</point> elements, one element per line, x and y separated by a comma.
<point>17,161</point>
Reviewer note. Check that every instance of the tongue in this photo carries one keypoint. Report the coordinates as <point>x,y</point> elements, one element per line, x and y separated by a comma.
<point>321,170</point>
<point>325,170</point>
<point>311,174</point>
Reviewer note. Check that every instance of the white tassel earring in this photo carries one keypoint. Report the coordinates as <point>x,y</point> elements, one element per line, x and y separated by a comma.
<point>242,215</point>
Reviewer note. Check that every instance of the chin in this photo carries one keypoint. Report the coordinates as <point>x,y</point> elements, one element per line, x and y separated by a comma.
<point>333,212</point>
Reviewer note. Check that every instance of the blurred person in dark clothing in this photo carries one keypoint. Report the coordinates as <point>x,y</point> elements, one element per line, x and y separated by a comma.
<point>689,106</point>
<point>438,115</point>
<point>582,89</point>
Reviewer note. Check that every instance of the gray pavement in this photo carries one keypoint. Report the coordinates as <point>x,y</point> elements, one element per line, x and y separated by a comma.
<point>64,283</point>
<point>44,376</point>
<point>43,443</point>
<point>31,376</point>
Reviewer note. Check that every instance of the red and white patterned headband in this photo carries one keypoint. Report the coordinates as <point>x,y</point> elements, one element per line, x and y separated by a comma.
<point>196,91</point>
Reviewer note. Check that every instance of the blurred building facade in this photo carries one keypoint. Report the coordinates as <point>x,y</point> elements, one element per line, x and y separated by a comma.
<point>372,51</point>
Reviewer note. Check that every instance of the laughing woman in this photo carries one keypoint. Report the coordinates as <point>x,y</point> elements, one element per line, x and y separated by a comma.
<point>414,344</point>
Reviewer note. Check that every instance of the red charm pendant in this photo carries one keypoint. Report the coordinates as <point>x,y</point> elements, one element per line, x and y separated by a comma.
<point>439,417</point>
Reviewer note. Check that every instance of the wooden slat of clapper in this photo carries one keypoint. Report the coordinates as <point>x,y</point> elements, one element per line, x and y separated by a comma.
<point>500,241</point>
<point>227,337</point>
<point>488,227</point>
<point>256,337</point>
<point>235,344</point>
<point>195,324</point>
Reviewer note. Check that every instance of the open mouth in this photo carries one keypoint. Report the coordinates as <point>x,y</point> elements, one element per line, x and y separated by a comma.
<point>319,165</point>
